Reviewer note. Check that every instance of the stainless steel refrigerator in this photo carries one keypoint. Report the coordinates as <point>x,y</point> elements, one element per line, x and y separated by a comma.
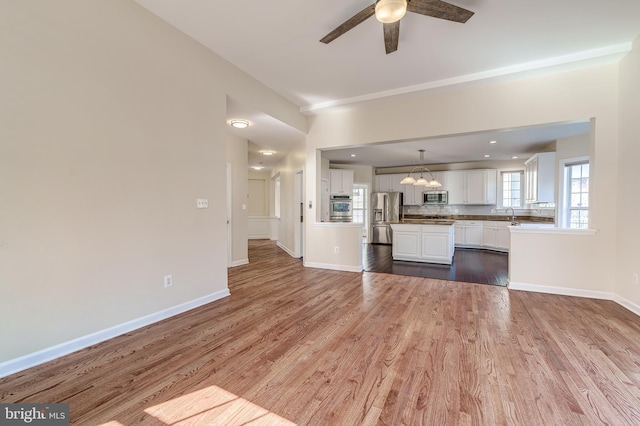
<point>386,208</point>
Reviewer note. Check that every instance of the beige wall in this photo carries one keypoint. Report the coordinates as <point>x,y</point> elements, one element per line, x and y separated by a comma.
<point>576,146</point>
<point>108,136</point>
<point>628,205</point>
<point>237,153</point>
<point>286,169</point>
<point>561,97</point>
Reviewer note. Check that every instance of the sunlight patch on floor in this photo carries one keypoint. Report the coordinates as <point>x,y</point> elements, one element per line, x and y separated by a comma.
<point>213,406</point>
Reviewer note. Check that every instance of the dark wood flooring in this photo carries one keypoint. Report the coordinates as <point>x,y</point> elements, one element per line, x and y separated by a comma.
<point>469,265</point>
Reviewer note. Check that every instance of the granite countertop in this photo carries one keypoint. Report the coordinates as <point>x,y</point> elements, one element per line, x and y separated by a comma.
<point>425,221</point>
<point>410,218</point>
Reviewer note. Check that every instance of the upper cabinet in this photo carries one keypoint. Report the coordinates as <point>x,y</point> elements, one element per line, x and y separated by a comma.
<point>341,182</point>
<point>388,183</point>
<point>472,186</point>
<point>540,178</point>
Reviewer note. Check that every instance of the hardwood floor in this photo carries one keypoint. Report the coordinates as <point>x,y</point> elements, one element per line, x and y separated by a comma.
<point>469,265</point>
<point>310,346</point>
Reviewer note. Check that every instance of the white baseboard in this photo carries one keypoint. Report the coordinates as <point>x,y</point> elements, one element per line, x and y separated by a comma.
<point>334,267</point>
<point>627,304</point>
<point>591,294</point>
<point>239,263</point>
<point>286,249</point>
<point>31,360</point>
<point>564,291</point>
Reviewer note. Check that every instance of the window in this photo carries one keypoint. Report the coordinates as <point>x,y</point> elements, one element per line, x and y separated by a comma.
<point>577,195</point>
<point>359,208</point>
<point>511,184</point>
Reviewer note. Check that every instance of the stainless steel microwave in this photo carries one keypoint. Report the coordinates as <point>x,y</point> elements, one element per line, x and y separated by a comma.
<point>434,197</point>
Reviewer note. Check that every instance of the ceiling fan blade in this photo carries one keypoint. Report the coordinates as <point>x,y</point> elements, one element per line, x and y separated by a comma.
<point>356,19</point>
<point>440,9</point>
<point>391,35</point>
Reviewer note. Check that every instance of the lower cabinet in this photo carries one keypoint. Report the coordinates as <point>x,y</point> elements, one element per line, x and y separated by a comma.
<point>423,243</point>
<point>495,235</point>
<point>468,233</point>
<point>482,234</point>
<point>406,242</point>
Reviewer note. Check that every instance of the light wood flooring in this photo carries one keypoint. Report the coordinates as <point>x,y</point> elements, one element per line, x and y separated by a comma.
<point>310,346</point>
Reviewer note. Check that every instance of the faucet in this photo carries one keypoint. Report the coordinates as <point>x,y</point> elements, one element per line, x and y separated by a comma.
<point>513,215</point>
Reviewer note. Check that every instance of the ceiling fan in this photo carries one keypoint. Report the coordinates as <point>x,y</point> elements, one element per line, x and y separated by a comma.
<point>389,12</point>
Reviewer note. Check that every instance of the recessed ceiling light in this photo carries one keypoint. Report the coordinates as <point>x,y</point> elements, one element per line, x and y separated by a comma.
<point>487,156</point>
<point>492,142</point>
<point>515,157</point>
<point>353,155</point>
<point>239,124</point>
<point>267,152</point>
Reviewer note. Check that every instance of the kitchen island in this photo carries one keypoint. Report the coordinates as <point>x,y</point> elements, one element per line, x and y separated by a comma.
<point>429,241</point>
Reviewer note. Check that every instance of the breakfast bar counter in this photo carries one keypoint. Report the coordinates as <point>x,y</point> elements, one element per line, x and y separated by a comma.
<point>429,241</point>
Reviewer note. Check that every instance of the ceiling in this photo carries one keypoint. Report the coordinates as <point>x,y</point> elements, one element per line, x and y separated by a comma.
<point>277,42</point>
<point>520,143</point>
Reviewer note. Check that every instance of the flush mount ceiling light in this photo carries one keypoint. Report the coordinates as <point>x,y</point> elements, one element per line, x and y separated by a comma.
<point>389,11</point>
<point>239,124</point>
<point>410,180</point>
<point>267,152</point>
<point>257,167</point>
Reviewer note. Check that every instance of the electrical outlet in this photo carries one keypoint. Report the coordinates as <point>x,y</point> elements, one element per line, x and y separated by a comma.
<point>634,277</point>
<point>336,250</point>
<point>202,203</point>
<point>168,281</point>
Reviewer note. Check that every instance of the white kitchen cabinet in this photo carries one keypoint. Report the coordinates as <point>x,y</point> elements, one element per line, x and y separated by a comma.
<point>540,178</point>
<point>423,243</point>
<point>406,242</point>
<point>341,182</point>
<point>468,233</point>
<point>388,183</point>
<point>382,183</point>
<point>477,187</point>
<point>495,235</point>
<point>437,243</point>
<point>412,194</point>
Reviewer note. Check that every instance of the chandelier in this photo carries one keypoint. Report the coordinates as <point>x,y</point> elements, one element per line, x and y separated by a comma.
<point>410,180</point>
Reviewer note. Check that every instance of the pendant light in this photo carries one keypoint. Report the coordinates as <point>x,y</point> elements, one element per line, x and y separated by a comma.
<point>410,180</point>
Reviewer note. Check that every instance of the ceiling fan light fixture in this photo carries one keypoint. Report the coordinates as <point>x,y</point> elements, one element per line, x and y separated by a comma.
<point>388,11</point>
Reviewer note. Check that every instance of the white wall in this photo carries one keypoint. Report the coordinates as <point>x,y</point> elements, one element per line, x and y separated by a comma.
<point>628,205</point>
<point>237,154</point>
<point>108,136</point>
<point>567,96</point>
